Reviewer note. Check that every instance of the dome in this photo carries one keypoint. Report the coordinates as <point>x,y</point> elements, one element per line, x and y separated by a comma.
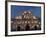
<point>16,17</point>
<point>20,17</point>
<point>29,12</point>
<point>34,17</point>
<point>26,12</point>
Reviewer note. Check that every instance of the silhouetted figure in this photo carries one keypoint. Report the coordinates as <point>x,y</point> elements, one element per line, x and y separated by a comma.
<point>27,27</point>
<point>18,28</point>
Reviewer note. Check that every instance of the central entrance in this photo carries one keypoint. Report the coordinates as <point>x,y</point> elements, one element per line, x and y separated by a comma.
<point>27,27</point>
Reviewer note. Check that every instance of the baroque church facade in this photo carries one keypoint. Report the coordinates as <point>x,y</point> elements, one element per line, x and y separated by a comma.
<point>26,22</point>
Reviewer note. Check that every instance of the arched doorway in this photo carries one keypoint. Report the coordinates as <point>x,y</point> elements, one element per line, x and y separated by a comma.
<point>18,28</point>
<point>35,27</point>
<point>27,27</point>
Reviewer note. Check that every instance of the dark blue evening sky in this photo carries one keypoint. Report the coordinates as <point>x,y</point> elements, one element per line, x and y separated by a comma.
<point>15,10</point>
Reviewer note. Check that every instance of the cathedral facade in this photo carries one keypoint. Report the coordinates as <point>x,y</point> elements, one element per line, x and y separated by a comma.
<point>26,22</point>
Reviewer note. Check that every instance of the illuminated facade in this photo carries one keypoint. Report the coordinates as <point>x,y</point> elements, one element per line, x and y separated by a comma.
<point>25,22</point>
